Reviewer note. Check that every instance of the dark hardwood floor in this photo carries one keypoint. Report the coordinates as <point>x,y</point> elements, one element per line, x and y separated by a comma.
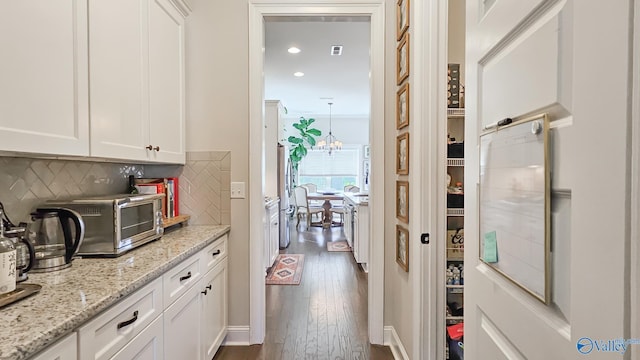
<point>325,317</point>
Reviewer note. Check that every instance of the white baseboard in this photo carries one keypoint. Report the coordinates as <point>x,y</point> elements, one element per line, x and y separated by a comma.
<point>237,336</point>
<point>392,340</point>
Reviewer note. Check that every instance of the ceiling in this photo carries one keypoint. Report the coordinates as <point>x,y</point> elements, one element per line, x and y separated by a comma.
<point>343,80</point>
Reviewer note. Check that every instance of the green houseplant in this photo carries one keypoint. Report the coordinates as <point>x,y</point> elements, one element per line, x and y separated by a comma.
<point>306,136</point>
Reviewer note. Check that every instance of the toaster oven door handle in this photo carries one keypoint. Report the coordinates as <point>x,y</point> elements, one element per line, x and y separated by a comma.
<point>188,276</point>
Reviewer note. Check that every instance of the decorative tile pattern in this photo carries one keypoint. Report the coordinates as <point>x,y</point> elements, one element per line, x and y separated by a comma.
<point>26,183</point>
<point>205,187</point>
<point>205,183</point>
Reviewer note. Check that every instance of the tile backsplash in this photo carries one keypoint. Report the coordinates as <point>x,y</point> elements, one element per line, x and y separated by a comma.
<point>204,181</point>
<point>205,185</point>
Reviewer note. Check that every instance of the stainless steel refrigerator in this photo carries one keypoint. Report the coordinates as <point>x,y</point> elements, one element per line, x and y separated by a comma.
<point>284,191</point>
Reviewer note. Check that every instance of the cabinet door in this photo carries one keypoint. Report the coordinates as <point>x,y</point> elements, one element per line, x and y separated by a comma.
<point>214,314</point>
<point>118,53</point>
<point>43,91</point>
<point>356,235</point>
<point>182,326</point>
<point>274,236</point>
<point>65,349</point>
<point>145,346</point>
<point>166,82</point>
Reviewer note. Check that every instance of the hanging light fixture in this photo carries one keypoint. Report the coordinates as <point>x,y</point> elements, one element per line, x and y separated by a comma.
<point>330,143</point>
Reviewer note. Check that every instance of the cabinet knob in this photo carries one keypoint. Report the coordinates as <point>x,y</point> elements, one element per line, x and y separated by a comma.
<point>157,148</point>
<point>149,147</point>
<point>208,287</point>
<point>204,292</point>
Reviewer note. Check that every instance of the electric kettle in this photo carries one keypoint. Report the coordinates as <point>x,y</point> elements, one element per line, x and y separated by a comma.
<point>56,235</point>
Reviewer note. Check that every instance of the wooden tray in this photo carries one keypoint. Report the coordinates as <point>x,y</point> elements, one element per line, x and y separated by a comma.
<point>22,291</point>
<point>180,219</point>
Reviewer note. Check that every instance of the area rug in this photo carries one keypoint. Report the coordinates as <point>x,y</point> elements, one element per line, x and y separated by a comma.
<point>287,270</point>
<point>338,246</point>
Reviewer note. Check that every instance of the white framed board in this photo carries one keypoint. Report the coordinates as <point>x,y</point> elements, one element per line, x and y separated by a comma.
<point>515,203</point>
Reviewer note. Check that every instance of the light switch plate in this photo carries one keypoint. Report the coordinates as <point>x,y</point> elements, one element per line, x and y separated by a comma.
<point>237,190</point>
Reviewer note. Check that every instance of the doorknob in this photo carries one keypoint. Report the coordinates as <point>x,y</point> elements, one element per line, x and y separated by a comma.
<point>424,238</point>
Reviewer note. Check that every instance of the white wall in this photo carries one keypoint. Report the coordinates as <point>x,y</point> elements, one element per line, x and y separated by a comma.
<point>218,118</point>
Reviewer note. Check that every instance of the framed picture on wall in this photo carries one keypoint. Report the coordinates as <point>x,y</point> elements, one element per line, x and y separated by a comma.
<point>402,59</point>
<point>402,154</point>
<point>402,201</point>
<point>402,106</point>
<point>402,17</point>
<point>402,247</point>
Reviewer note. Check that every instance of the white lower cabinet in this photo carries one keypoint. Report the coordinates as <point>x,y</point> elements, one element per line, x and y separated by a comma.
<point>214,309</point>
<point>102,337</point>
<point>182,326</point>
<point>180,315</point>
<point>65,349</point>
<point>148,345</point>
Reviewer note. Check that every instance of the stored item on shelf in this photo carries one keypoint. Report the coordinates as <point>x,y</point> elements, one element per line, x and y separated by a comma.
<point>455,201</point>
<point>453,86</point>
<point>455,246</point>
<point>455,150</point>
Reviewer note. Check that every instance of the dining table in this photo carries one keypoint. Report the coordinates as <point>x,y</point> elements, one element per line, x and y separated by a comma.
<point>327,197</point>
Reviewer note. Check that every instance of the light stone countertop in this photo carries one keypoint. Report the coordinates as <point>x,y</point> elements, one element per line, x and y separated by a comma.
<point>358,199</point>
<point>72,296</point>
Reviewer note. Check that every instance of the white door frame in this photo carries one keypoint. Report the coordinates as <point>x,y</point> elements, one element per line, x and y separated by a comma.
<point>635,184</point>
<point>258,9</point>
<point>429,53</point>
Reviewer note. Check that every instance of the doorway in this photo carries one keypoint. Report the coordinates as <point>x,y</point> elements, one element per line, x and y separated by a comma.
<point>258,10</point>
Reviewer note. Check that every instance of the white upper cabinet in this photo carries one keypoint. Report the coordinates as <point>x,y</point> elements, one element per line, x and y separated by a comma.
<point>43,91</point>
<point>136,58</point>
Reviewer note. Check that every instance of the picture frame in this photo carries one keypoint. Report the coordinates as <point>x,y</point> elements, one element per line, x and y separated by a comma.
<point>402,107</point>
<point>367,151</point>
<point>402,247</point>
<point>402,201</point>
<point>403,9</point>
<point>402,59</point>
<point>402,154</point>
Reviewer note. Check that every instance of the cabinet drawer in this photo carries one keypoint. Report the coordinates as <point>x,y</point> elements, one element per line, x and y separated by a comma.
<point>146,345</point>
<point>103,336</point>
<point>65,349</point>
<point>214,252</point>
<point>179,279</point>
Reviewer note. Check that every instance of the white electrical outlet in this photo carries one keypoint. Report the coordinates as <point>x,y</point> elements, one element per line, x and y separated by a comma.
<point>237,190</point>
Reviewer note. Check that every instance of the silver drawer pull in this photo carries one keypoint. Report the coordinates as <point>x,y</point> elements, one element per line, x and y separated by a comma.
<point>130,321</point>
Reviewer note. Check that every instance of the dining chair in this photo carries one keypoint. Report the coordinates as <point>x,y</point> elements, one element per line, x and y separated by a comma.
<point>351,189</point>
<point>312,188</point>
<point>303,208</point>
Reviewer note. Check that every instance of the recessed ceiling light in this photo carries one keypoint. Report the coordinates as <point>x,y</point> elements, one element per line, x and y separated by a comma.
<point>298,74</point>
<point>293,50</point>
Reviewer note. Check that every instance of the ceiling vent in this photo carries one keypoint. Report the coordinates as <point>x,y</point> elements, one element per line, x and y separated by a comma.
<point>336,50</point>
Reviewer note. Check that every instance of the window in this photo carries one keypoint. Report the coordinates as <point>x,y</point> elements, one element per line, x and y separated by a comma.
<point>333,171</point>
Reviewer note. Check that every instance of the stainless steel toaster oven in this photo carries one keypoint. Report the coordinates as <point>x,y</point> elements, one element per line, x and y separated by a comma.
<point>115,224</point>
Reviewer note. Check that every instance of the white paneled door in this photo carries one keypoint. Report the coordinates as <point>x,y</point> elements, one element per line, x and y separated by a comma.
<point>529,57</point>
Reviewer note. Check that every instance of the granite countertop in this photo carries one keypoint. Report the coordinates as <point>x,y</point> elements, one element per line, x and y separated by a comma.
<point>358,199</point>
<point>72,296</point>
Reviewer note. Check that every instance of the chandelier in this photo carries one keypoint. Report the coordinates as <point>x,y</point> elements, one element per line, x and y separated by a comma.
<point>330,143</point>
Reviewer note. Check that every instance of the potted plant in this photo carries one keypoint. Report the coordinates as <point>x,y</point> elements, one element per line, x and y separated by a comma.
<point>306,136</point>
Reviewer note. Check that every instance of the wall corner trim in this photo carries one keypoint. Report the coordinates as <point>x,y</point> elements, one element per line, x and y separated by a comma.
<point>392,340</point>
<point>237,336</point>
